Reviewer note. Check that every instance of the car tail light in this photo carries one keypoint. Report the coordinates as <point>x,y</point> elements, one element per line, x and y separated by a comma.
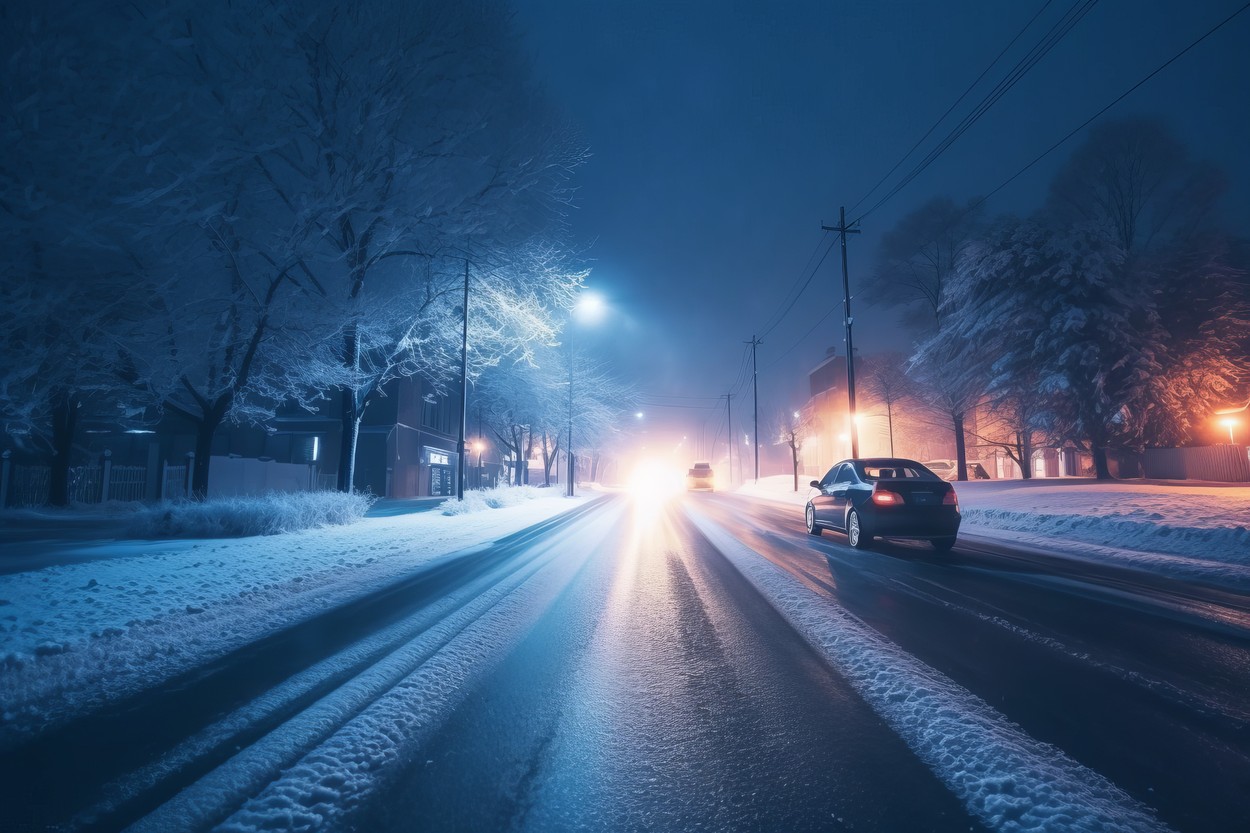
<point>884,497</point>
<point>950,499</point>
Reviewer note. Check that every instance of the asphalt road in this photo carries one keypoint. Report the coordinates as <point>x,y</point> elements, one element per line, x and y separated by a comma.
<point>614,670</point>
<point>663,693</point>
<point>1142,679</point>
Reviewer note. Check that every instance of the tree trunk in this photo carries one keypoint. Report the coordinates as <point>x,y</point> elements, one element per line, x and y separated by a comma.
<point>205,429</point>
<point>64,424</point>
<point>1102,471</point>
<point>1026,455</point>
<point>794,457</point>
<point>349,430</point>
<point>547,458</point>
<point>961,451</point>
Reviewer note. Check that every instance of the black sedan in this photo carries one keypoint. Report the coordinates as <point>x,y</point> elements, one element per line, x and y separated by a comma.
<point>886,497</point>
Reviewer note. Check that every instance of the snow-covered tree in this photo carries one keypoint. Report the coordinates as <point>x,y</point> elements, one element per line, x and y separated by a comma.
<point>527,400</point>
<point>884,387</point>
<point>1003,316</point>
<point>1202,302</point>
<point>412,130</point>
<point>949,380</point>
<point>790,428</point>
<point>65,286</point>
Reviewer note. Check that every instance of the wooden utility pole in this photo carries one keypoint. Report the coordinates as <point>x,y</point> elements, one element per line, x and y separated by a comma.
<point>729,414</point>
<point>843,231</point>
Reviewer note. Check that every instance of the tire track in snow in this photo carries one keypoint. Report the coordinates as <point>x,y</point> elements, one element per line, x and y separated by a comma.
<point>316,768</point>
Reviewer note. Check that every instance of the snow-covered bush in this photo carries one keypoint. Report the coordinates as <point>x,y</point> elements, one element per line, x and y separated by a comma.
<point>268,514</point>
<point>496,498</point>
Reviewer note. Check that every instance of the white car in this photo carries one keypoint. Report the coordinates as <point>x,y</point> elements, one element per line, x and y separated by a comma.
<point>944,469</point>
<point>947,469</point>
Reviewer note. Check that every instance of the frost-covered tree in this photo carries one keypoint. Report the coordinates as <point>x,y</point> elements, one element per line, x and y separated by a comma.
<point>66,287</point>
<point>885,386</point>
<point>411,129</point>
<point>1097,349</point>
<point>790,428</point>
<point>949,380</point>
<point>1002,315</point>
<point>1202,302</point>
<point>528,399</point>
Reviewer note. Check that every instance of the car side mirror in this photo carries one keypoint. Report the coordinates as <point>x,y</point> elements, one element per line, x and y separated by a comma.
<point>815,484</point>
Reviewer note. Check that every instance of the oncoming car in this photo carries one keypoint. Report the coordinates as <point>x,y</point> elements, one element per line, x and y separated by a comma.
<point>886,497</point>
<point>699,478</point>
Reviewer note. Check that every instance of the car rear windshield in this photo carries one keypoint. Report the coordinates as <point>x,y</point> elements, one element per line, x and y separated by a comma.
<point>897,471</point>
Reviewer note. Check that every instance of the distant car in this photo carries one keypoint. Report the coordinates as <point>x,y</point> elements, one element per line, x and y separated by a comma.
<point>946,469</point>
<point>699,478</point>
<point>886,497</point>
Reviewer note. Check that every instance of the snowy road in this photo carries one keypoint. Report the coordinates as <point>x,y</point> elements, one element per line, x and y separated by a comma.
<point>1138,677</point>
<point>701,664</point>
<point>661,692</point>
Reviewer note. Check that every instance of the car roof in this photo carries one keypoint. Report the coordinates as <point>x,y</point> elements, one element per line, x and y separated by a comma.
<point>885,462</point>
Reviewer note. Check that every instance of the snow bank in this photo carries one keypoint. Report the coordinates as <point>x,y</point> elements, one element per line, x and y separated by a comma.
<point>497,498</point>
<point>75,635</point>
<point>233,517</point>
<point>1126,521</point>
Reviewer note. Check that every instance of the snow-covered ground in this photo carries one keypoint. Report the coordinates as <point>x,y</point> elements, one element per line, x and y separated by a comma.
<point>139,611</point>
<point>1196,531</point>
<point>101,618</point>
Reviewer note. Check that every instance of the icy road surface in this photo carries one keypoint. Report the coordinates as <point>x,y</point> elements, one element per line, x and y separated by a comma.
<point>696,664</point>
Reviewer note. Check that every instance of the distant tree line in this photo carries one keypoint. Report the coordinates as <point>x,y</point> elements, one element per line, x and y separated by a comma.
<point>1118,315</point>
<point>211,209</point>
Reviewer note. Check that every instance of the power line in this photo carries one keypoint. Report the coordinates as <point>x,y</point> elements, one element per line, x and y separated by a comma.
<point>811,275</point>
<point>982,200</point>
<point>800,340</point>
<point>1043,47</point>
<point>793,296</point>
<point>1114,102</point>
<point>950,109</point>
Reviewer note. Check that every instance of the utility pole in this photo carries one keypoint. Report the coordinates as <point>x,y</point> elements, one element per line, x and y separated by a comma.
<point>730,416</point>
<point>755,396</point>
<point>843,231</point>
<point>464,384</point>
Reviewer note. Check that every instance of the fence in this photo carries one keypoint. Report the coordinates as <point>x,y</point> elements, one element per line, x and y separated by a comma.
<point>1225,463</point>
<point>173,482</point>
<point>22,486</point>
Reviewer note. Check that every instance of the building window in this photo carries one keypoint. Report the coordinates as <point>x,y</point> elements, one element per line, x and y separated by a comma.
<point>437,414</point>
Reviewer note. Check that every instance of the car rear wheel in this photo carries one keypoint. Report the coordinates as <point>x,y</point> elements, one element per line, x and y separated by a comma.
<point>943,544</point>
<point>812,527</point>
<point>859,539</point>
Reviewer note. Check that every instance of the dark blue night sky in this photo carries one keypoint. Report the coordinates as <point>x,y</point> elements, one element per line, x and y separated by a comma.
<point>724,133</point>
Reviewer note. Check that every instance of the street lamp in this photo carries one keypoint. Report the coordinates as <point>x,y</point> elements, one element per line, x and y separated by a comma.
<point>589,307</point>
<point>1229,423</point>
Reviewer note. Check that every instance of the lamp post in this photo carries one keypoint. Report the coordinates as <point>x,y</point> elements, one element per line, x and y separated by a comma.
<point>1229,423</point>
<point>589,305</point>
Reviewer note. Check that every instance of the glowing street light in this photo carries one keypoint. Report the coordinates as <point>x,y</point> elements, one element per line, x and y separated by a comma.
<point>1229,423</point>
